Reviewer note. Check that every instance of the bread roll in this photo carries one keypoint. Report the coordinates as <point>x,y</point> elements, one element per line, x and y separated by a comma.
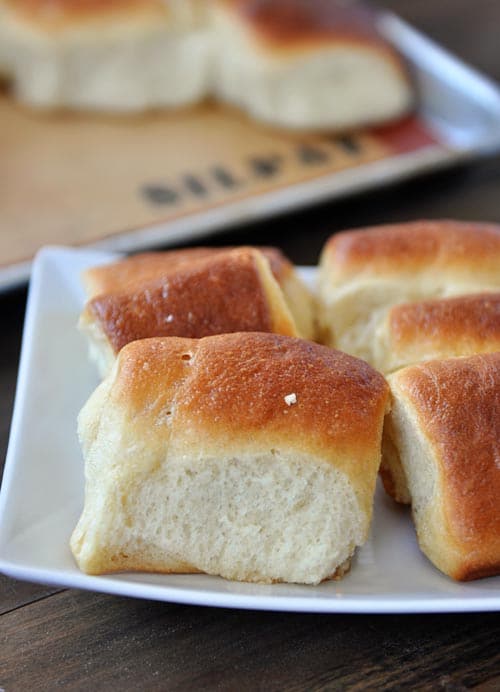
<point>440,328</point>
<point>134,271</point>
<point>249,456</point>
<point>114,55</point>
<point>227,292</point>
<point>365,272</point>
<point>444,431</point>
<point>313,64</point>
<point>131,272</point>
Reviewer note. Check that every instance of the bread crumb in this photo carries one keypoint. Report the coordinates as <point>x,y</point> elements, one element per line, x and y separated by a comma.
<point>291,399</point>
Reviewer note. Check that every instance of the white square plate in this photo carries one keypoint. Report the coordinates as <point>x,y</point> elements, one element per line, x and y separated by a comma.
<point>42,491</point>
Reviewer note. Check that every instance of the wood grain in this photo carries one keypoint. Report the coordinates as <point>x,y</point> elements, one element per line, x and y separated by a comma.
<point>80,641</point>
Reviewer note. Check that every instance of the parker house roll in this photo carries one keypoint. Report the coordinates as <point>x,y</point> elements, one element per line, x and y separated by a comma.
<point>440,328</point>
<point>251,456</point>
<point>134,271</point>
<point>313,64</point>
<point>365,272</point>
<point>444,432</point>
<point>114,55</point>
<point>224,292</point>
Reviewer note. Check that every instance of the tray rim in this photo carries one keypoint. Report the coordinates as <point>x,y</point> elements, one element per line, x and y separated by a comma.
<point>218,219</point>
<point>193,226</point>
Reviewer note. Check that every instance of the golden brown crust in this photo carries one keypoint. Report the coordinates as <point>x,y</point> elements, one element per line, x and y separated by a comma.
<point>446,327</point>
<point>293,23</point>
<point>409,247</point>
<point>220,293</point>
<point>131,272</point>
<point>237,389</point>
<point>458,407</point>
<point>171,439</point>
<point>57,14</point>
<point>127,273</point>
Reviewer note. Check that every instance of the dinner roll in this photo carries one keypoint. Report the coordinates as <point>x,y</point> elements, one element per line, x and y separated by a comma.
<point>131,272</point>
<point>138,269</point>
<point>439,328</point>
<point>314,64</point>
<point>251,456</point>
<point>119,55</point>
<point>224,292</point>
<point>365,272</point>
<point>444,431</point>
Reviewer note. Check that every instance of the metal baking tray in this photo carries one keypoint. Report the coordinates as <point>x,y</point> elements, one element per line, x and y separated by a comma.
<point>183,198</point>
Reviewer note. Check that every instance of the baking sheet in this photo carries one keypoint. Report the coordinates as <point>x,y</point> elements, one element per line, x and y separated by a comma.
<point>135,182</point>
<point>42,490</point>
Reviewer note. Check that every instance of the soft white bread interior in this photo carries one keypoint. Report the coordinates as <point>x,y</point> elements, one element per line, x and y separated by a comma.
<point>216,293</point>
<point>298,64</point>
<point>249,456</point>
<point>300,301</point>
<point>120,55</point>
<point>142,268</point>
<point>439,328</point>
<point>363,273</point>
<point>312,64</point>
<point>444,433</point>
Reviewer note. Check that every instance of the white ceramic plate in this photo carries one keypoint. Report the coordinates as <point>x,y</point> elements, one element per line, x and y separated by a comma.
<point>42,491</point>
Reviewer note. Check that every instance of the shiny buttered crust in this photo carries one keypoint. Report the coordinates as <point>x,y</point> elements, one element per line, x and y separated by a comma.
<point>442,328</point>
<point>133,272</point>
<point>137,269</point>
<point>444,430</point>
<point>365,272</point>
<point>291,25</point>
<point>220,292</point>
<point>290,63</point>
<point>307,64</point>
<point>461,249</point>
<point>249,456</point>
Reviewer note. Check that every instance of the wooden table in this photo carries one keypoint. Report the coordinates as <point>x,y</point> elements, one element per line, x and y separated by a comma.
<point>53,638</point>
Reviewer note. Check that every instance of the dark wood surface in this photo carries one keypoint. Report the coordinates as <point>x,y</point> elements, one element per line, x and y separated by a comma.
<point>65,639</point>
